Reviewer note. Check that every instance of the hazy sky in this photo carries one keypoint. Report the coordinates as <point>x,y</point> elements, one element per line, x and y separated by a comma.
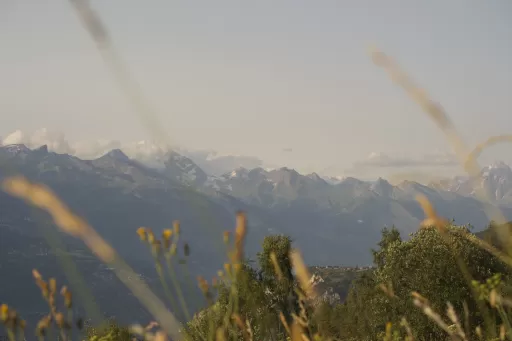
<point>287,81</point>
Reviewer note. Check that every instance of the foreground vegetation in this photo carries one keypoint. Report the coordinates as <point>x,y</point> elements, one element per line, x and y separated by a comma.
<point>433,286</point>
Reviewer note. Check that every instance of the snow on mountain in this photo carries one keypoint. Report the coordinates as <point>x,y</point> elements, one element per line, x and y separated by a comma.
<point>276,185</point>
<point>382,187</point>
<point>184,169</point>
<point>15,149</point>
<point>494,179</point>
<point>334,180</point>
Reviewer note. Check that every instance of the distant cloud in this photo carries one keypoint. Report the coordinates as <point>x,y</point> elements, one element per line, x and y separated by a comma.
<point>217,164</point>
<point>54,140</point>
<point>144,151</point>
<point>93,149</point>
<point>383,160</point>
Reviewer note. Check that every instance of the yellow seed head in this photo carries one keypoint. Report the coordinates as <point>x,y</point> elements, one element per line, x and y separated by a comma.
<point>220,274</point>
<point>4,312</point>
<point>227,268</point>
<point>167,234</point>
<point>59,319</point>
<point>141,231</point>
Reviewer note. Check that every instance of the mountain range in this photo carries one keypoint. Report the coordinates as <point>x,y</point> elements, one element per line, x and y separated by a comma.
<point>310,208</point>
<point>332,221</point>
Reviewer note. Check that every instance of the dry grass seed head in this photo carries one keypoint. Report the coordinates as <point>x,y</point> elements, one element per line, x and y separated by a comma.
<point>220,334</point>
<point>296,332</point>
<point>275,263</point>
<point>241,325</point>
<point>43,325</point>
<point>502,332</point>
<point>42,197</point>
<point>36,274</point>
<point>432,219</point>
<point>203,284</point>
<point>240,232</point>
<point>407,328</point>
<point>388,290</point>
<point>52,282</point>
<point>302,274</point>
<point>68,297</point>
<point>452,315</point>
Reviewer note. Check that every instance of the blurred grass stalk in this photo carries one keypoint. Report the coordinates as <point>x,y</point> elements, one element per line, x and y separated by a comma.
<point>441,119</point>
<point>43,198</point>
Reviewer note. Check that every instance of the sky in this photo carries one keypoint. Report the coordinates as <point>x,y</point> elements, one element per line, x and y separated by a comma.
<point>289,82</point>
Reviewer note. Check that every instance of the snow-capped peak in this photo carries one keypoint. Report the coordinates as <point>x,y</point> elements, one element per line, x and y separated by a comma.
<point>497,170</point>
<point>498,165</point>
<point>314,176</point>
<point>334,180</point>
<point>240,172</point>
<point>382,187</point>
<point>15,149</point>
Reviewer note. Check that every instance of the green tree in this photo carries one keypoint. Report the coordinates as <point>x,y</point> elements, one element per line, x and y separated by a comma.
<point>429,264</point>
<point>281,291</point>
<point>257,297</point>
<point>389,236</point>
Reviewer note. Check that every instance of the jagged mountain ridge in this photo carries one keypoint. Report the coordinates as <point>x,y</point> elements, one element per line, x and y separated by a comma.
<point>495,179</point>
<point>278,200</point>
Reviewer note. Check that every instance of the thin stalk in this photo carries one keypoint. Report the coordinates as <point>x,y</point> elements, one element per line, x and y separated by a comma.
<point>10,334</point>
<point>158,267</point>
<point>70,321</point>
<point>504,317</point>
<point>177,286</point>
